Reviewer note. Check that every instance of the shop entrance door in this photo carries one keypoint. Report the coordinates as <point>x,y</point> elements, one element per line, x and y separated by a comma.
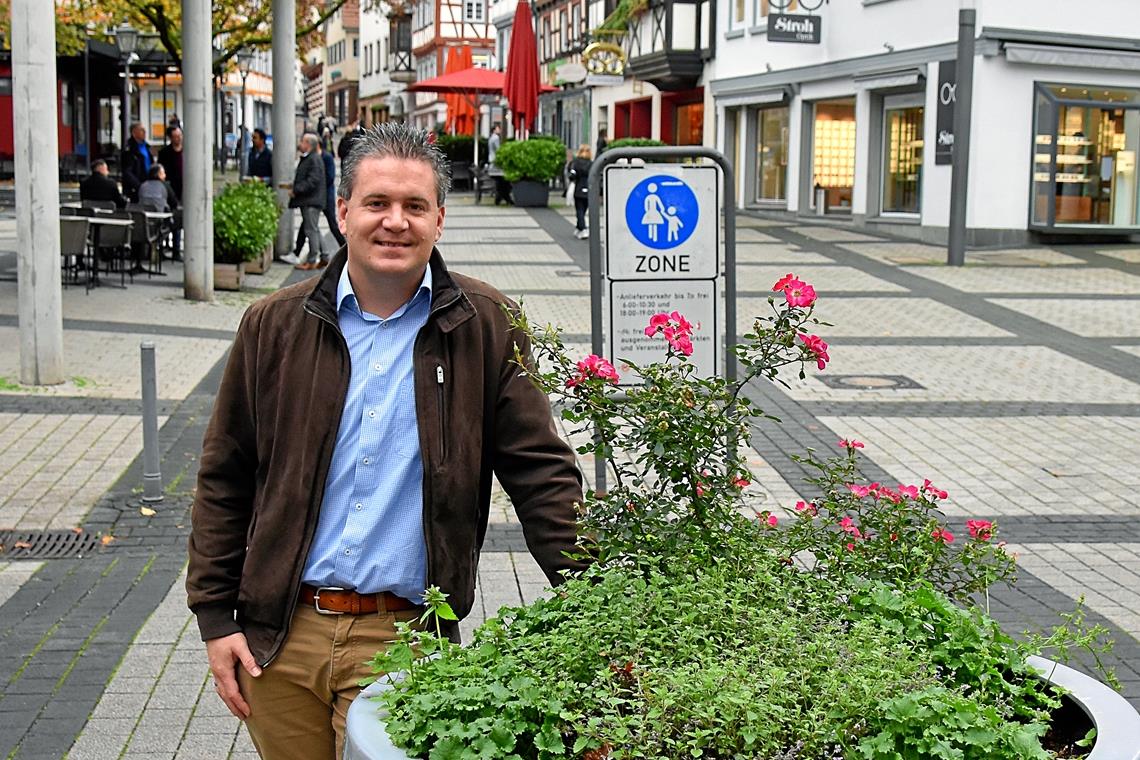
<point>902,155</point>
<point>833,156</point>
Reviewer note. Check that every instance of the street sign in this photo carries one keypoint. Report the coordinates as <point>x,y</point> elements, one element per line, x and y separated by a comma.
<point>662,222</point>
<point>662,255</point>
<point>784,27</point>
<point>633,303</point>
<point>944,123</point>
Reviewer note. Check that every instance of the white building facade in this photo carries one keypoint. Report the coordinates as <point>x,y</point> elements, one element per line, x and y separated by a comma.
<point>379,95</point>
<point>852,126</point>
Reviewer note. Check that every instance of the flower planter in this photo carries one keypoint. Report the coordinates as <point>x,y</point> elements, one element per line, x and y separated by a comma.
<point>261,264</point>
<point>529,193</point>
<point>1116,722</point>
<point>229,276</point>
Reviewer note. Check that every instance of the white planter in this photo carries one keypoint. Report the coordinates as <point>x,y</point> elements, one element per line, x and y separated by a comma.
<point>1117,723</point>
<point>365,737</point>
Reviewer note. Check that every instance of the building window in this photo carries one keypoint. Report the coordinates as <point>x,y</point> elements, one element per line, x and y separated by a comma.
<point>355,47</point>
<point>576,22</point>
<point>764,7</point>
<point>771,154</point>
<point>689,124</point>
<point>833,153</point>
<point>1086,144</point>
<point>473,10</point>
<point>902,159</point>
<point>736,14</point>
<point>504,37</point>
<point>546,49</point>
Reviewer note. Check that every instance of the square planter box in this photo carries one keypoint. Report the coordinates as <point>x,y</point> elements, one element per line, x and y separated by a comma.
<point>261,264</point>
<point>229,276</point>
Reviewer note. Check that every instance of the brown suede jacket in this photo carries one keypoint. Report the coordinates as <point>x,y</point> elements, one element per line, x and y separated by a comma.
<point>268,446</point>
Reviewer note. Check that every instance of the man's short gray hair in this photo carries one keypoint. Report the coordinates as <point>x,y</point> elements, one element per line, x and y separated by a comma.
<point>310,140</point>
<point>394,139</point>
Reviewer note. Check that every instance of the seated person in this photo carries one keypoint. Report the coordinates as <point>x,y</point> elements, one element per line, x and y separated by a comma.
<point>156,194</point>
<point>100,187</point>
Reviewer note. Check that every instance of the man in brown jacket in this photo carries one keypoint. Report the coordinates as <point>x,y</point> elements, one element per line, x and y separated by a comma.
<point>348,462</point>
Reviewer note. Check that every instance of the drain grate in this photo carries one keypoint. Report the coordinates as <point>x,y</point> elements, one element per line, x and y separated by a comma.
<point>869,382</point>
<point>46,544</point>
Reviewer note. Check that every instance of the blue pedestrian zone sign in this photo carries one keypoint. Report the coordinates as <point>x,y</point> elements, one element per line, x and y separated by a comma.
<point>662,212</point>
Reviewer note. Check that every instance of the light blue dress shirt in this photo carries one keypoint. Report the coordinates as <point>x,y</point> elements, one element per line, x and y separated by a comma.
<point>370,530</point>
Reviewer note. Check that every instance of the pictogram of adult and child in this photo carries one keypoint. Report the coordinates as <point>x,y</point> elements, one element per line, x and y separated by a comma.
<point>660,202</point>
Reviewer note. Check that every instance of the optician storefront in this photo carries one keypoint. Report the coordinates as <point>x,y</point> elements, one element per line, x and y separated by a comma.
<point>1054,146</point>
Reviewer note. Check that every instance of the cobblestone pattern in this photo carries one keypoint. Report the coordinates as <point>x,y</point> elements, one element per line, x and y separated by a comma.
<point>1088,317</point>
<point>778,253</point>
<point>875,318</point>
<point>1036,280</point>
<point>822,278</point>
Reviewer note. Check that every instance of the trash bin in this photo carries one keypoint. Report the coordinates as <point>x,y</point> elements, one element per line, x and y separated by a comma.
<point>820,201</point>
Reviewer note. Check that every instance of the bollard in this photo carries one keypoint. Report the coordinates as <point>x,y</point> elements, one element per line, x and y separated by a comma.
<point>152,473</point>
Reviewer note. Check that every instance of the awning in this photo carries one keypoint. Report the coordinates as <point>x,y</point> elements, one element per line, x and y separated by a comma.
<point>770,96</point>
<point>1086,58</point>
<point>888,80</point>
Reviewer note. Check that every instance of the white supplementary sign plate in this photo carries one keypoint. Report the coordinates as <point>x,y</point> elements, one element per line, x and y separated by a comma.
<point>633,303</point>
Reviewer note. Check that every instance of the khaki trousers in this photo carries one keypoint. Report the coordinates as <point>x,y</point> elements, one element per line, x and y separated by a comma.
<point>299,703</point>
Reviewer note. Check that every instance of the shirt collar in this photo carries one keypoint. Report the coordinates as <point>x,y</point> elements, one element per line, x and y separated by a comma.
<point>344,290</point>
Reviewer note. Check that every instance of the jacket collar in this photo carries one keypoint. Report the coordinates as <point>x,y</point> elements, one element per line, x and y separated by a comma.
<point>450,306</point>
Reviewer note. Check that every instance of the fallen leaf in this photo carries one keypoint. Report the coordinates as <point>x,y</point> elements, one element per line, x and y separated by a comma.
<point>77,531</point>
<point>107,539</point>
<point>21,545</point>
<point>147,512</point>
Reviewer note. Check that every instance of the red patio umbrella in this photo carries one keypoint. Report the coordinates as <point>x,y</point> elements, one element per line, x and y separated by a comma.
<point>521,88</point>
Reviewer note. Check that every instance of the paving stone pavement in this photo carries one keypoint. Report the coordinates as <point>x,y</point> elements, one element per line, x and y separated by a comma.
<point>1027,361</point>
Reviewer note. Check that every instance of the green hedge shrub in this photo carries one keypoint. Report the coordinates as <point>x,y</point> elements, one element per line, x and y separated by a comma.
<point>635,142</point>
<point>461,148</point>
<point>245,222</point>
<point>539,159</point>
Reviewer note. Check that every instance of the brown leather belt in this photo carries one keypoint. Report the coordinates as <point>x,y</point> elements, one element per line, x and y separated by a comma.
<point>330,600</point>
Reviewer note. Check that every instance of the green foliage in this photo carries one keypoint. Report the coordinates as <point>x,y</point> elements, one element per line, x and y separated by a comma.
<point>539,159</point>
<point>700,632</point>
<point>245,222</point>
<point>460,149</point>
<point>635,142</point>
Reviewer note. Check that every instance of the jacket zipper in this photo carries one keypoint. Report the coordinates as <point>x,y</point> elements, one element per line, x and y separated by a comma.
<point>442,426</point>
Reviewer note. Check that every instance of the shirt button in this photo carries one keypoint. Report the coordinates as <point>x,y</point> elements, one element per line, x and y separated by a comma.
<point>371,412</point>
<point>359,506</point>
<point>376,367</point>
<point>348,551</point>
<point>366,460</point>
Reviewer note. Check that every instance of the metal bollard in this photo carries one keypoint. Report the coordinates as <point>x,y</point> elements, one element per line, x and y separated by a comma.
<point>152,473</point>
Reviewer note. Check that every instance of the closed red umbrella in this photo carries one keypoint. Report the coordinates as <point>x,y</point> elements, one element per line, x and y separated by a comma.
<point>521,86</point>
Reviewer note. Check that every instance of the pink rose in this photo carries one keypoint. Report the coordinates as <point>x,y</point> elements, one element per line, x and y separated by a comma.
<point>799,294</point>
<point>815,346</point>
<point>852,444</point>
<point>593,366</point>
<point>783,282</point>
<point>983,530</point>
<point>943,535</point>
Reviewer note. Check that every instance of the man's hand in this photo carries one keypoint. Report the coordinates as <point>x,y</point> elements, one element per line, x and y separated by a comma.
<point>224,654</point>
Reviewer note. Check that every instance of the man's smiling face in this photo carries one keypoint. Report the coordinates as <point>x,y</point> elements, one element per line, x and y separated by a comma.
<point>391,221</point>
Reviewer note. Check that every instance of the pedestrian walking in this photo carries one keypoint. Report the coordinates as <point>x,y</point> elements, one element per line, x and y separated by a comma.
<point>308,194</point>
<point>330,203</point>
<point>260,162</point>
<point>349,458</point>
<point>346,142</point>
<point>136,161</point>
<point>580,175</point>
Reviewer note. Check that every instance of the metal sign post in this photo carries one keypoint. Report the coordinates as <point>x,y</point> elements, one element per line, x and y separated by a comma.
<point>662,255</point>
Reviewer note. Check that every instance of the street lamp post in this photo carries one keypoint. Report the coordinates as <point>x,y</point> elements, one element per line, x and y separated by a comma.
<point>127,38</point>
<point>244,59</point>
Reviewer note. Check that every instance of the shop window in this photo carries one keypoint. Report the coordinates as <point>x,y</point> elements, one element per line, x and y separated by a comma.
<point>833,153</point>
<point>689,124</point>
<point>764,7</point>
<point>771,154</point>
<point>736,14</point>
<point>902,160</point>
<point>1085,151</point>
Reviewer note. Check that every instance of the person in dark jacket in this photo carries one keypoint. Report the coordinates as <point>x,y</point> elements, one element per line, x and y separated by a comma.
<point>135,162</point>
<point>260,164</point>
<point>170,156</point>
<point>348,462</point>
<point>309,195</point>
<point>100,187</point>
<point>347,141</point>
<point>330,204</point>
<point>579,174</point>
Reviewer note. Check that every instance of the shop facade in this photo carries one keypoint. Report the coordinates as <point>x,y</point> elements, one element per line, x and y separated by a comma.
<point>1055,129</point>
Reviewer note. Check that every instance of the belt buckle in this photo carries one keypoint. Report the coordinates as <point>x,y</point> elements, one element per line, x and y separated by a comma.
<point>317,600</point>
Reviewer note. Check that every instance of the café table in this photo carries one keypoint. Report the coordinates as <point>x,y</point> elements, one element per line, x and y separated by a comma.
<point>98,224</point>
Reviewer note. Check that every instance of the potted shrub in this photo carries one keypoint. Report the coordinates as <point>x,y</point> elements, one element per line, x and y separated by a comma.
<point>245,225</point>
<point>530,165</point>
<point>706,628</point>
